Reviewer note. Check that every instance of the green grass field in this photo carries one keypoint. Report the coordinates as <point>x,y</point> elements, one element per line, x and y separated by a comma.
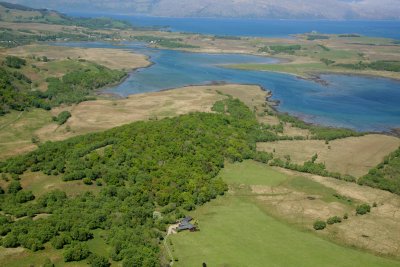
<point>17,128</point>
<point>234,231</point>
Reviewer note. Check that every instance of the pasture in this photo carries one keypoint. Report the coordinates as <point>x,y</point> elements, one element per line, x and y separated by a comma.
<point>245,227</point>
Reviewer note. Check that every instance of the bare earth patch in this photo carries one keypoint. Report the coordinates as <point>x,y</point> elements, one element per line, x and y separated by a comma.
<point>354,155</point>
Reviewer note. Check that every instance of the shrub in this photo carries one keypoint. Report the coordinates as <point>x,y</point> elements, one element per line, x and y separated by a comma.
<point>14,187</point>
<point>363,209</point>
<point>345,216</point>
<point>15,62</point>
<point>62,117</point>
<point>98,261</point>
<point>76,252</point>
<point>87,181</point>
<point>81,234</point>
<point>24,196</point>
<point>48,263</point>
<point>334,219</point>
<point>58,242</point>
<point>319,225</point>
<point>10,241</point>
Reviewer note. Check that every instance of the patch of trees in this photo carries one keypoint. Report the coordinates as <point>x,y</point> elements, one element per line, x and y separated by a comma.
<point>349,35</point>
<point>169,165</point>
<point>363,209</point>
<point>14,62</point>
<point>333,220</point>
<point>327,62</point>
<point>13,38</point>
<point>323,47</point>
<point>385,65</point>
<point>319,225</point>
<point>14,94</point>
<point>62,117</point>
<point>164,42</point>
<point>311,167</point>
<point>319,132</point>
<point>277,49</point>
<point>312,37</point>
<point>386,175</point>
<point>73,87</point>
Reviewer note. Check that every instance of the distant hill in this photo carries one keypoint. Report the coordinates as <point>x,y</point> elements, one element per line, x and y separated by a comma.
<point>10,12</point>
<point>282,9</point>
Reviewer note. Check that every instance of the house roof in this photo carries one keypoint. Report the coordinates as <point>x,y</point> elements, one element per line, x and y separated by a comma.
<point>186,219</point>
<point>186,226</point>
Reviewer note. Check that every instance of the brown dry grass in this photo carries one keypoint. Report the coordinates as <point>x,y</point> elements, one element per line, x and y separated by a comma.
<point>354,155</point>
<point>378,231</point>
<point>111,58</point>
<point>92,116</point>
<point>100,115</point>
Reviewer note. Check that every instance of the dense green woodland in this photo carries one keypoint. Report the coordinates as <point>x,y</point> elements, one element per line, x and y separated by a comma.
<point>73,87</point>
<point>169,166</point>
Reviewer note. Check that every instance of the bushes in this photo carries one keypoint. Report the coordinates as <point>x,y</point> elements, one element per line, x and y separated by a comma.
<point>319,132</point>
<point>98,261</point>
<point>319,225</point>
<point>277,49</point>
<point>10,241</point>
<point>327,61</point>
<point>80,234</point>
<point>62,117</point>
<point>383,65</point>
<point>386,175</point>
<point>15,62</point>
<point>58,242</point>
<point>363,209</point>
<point>76,252</point>
<point>165,42</point>
<point>334,219</point>
<point>14,187</point>
<point>24,196</point>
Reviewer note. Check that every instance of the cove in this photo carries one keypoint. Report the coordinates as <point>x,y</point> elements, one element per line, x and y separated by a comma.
<point>357,102</point>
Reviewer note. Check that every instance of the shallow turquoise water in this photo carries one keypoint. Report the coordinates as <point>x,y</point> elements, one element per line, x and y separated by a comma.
<point>357,102</point>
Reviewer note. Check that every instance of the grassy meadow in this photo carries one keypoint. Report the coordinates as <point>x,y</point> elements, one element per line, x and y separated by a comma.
<point>236,230</point>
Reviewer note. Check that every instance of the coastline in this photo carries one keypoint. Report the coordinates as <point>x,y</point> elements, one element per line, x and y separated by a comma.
<point>273,104</point>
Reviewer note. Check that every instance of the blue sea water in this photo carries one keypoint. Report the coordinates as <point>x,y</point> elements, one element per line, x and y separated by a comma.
<point>262,27</point>
<point>357,102</point>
